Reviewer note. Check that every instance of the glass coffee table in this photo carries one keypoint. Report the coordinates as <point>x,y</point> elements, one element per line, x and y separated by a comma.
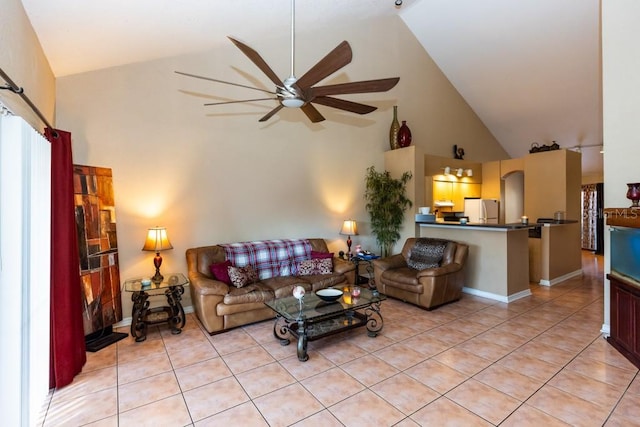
<point>312,318</point>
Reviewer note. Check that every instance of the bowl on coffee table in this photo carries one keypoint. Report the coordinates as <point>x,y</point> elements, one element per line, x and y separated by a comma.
<point>329,294</point>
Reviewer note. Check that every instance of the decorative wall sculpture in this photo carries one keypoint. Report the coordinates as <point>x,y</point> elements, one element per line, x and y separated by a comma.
<point>98,245</point>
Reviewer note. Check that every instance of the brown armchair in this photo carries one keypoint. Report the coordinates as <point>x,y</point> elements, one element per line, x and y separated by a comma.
<point>428,272</point>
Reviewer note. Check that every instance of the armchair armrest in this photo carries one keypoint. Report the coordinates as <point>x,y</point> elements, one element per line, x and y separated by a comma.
<point>203,285</point>
<point>390,262</point>
<point>439,271</point>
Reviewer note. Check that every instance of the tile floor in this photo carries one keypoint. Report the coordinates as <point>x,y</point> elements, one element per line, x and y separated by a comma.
<point>538,361</point>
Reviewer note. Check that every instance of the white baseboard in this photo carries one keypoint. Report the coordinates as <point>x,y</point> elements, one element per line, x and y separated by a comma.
<point>127,320</point>
<point>497,297</point>
<point>562,278</point>
<point>605,330</point>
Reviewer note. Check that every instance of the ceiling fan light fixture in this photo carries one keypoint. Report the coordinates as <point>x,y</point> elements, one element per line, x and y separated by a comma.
<point>293,102</point>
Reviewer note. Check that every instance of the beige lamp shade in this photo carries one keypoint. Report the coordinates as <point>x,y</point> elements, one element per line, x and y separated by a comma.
<point>157,240</point>
<point>349,228</point>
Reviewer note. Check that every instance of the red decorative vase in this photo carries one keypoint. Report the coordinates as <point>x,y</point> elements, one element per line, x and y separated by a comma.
<point>633,193</point>
<point>404,135</point>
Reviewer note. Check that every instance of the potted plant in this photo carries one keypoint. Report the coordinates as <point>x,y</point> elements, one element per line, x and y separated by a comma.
<point>386,204</point>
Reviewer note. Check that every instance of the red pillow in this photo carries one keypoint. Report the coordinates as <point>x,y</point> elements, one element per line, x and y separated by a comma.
<point>220,272</point>
<point>321,255</point>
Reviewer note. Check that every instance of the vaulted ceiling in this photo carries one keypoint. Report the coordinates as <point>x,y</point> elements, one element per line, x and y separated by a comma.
<point>530,69</point>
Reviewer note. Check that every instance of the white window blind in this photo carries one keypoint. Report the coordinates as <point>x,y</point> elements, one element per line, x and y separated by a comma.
<point>25,217</point>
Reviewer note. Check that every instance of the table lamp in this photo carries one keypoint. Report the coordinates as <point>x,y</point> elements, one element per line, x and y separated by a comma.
<point>349,228</point>
<point>157,241</point>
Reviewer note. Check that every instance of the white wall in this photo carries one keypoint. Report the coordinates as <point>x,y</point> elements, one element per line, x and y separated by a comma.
<point>621,108</point>
<point>22,59</point>
<point>214,174</point>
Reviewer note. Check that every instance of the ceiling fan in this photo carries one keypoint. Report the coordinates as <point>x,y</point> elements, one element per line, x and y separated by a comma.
<point>300,93</point>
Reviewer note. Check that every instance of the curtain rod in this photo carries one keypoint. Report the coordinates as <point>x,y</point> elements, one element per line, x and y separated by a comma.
<point>20,91</point>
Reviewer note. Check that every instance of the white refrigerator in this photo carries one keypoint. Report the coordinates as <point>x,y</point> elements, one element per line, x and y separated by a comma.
<point>482,210</point>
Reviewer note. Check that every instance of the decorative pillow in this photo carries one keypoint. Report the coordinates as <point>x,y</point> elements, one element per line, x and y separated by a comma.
<point>426,253</point>
<point>321,255</point>
<point>219,271</point>
<point>241,276</point>
<point>315,266</point>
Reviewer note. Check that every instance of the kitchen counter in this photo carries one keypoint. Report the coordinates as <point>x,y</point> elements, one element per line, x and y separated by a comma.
<point>507,226</point>
<point>498,263</point>
<point>505,257</point>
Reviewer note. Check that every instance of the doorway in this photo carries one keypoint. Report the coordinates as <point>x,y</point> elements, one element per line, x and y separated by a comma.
<point>592,218</point>
<point>513,196</point>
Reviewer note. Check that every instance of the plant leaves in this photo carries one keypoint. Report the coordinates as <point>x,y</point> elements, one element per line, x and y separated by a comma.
<point>386,202</point>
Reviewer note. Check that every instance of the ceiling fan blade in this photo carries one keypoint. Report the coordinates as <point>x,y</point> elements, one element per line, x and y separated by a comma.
<point>336,59</point>
<point>222,81</point>
<point>345,105</point>
<point>257,59</point>
<point>271,113</point>
<point>237,102</point>
<point>378,85</point>
<point>312,113</point>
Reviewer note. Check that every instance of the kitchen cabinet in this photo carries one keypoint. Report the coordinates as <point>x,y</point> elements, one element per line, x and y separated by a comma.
<point>454,192</point>
<point>462,190</point>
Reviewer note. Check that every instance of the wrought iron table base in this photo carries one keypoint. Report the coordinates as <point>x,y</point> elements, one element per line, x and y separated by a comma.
<point>142,315</point>
<point>310,330</point>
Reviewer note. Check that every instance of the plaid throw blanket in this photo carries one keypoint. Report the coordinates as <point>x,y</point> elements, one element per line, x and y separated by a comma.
<point>270,258</point>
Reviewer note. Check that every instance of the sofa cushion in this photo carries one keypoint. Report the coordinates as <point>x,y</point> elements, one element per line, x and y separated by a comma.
<point>241,276</point>
<point>315,266</point>
<point>426,253</point>
<point>321,281</point>
<point>252,293</point>
<point>219,271</point>
<point>283,286</point>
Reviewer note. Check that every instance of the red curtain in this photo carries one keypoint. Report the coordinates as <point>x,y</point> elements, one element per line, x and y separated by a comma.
<point>67,355</point>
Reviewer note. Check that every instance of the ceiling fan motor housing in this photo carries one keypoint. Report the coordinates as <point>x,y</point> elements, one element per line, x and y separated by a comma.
<point>289,94</point>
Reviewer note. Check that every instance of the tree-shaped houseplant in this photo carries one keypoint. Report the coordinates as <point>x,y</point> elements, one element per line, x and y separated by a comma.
<point>386,204</point>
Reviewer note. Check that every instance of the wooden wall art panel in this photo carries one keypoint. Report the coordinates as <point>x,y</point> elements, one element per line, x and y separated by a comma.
<point>98,247</point>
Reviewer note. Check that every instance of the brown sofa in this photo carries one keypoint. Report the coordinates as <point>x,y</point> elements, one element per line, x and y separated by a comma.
<point>221,307</point>
<point>402,275</point>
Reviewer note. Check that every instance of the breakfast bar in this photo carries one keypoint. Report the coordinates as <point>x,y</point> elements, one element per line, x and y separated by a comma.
<point>505,258</point>
<point>498,263</point>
